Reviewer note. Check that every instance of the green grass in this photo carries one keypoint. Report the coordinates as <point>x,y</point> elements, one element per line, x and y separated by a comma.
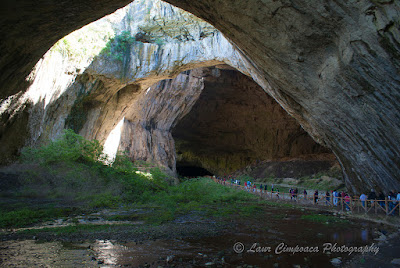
<point>198,195</point>
<point>314,182</point>
<point>324,219</point>
<point>70,172</point>
<point>25,216</point>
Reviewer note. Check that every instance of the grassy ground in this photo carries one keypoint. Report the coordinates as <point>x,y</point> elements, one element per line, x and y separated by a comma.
<point>65,179</point>
<point>320,182</point>
<point>198,196</point>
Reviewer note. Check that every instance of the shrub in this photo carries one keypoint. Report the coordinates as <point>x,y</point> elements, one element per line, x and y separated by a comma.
<point>70,147</point>
<point>72,167</point>
<point>119,46</point>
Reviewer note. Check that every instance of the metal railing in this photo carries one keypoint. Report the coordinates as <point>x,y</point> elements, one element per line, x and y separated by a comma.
<point>351,204</point>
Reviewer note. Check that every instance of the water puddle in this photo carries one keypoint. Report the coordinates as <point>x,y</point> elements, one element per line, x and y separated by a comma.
<point>264,242</point>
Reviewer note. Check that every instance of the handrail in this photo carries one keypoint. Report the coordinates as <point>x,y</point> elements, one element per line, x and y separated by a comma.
<point>351,204</point>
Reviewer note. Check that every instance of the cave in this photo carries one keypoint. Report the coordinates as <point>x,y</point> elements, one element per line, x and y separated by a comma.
<point>188,171</point>
<point>262,89</point>
<point>235,123</point>
<point>333,66</point>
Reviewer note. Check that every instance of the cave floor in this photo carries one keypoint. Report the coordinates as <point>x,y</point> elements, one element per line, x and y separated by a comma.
<point>264,237</point>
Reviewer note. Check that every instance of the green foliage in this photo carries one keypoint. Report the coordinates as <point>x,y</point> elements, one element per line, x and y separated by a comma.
<point>201,194</point>
<point>105,200</point>
<point>25,216</point>
<point>123,164</point>
<point>159,177</point>
<point>72,167</point>
<point>119,46</point>
<point>70,147</point>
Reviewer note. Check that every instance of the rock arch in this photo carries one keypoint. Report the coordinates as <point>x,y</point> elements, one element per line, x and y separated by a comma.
<point>332,65</point>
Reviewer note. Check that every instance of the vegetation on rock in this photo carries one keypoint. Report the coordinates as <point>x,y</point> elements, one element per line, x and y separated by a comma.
<point>119,46</point>
<point>67,177</point>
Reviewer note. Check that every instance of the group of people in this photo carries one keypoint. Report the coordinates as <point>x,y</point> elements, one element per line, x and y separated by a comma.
<point>338,197</point>
<point>392,197</point>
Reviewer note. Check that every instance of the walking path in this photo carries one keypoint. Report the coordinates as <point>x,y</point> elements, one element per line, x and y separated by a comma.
<point>350,204</point>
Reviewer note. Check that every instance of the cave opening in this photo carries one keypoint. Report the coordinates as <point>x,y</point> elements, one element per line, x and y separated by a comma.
<point>233,124</point>
<point>190,171</point>
<point>236,125</point>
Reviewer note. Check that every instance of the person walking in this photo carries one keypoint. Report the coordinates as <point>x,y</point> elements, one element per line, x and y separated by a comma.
<point>327,198</point>
<point>335,197</point>
<point>372,197</point>
<point>347,201</point>
<point>315,196</point>
<point>342,195</point>
<point>363,199</point>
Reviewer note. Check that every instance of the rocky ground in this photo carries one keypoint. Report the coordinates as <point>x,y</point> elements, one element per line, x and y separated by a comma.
<point>196,240</point>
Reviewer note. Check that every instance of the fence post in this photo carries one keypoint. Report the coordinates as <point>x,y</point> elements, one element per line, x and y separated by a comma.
<point>353,203</point>
<point>366,206</point>
<point>386,206</point>
<point>341,202</point>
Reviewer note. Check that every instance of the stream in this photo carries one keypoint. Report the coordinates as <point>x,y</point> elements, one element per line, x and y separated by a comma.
<point>267,240</point>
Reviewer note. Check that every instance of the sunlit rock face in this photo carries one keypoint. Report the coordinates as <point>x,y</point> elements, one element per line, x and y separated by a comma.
<point>46,104</point>
<point>110,90</point>
<point>146,133</point>
<point>235,123</point>
<point>333,65</point>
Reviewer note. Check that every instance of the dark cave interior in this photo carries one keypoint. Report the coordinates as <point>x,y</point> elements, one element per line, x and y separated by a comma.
<point>191,171</point>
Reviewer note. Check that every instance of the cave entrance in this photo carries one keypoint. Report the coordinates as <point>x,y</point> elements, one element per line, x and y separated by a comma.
<point>235,124</point>
<point>190,171</point>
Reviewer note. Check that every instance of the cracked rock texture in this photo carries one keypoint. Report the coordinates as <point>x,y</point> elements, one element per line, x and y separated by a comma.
<point>333,65</point>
